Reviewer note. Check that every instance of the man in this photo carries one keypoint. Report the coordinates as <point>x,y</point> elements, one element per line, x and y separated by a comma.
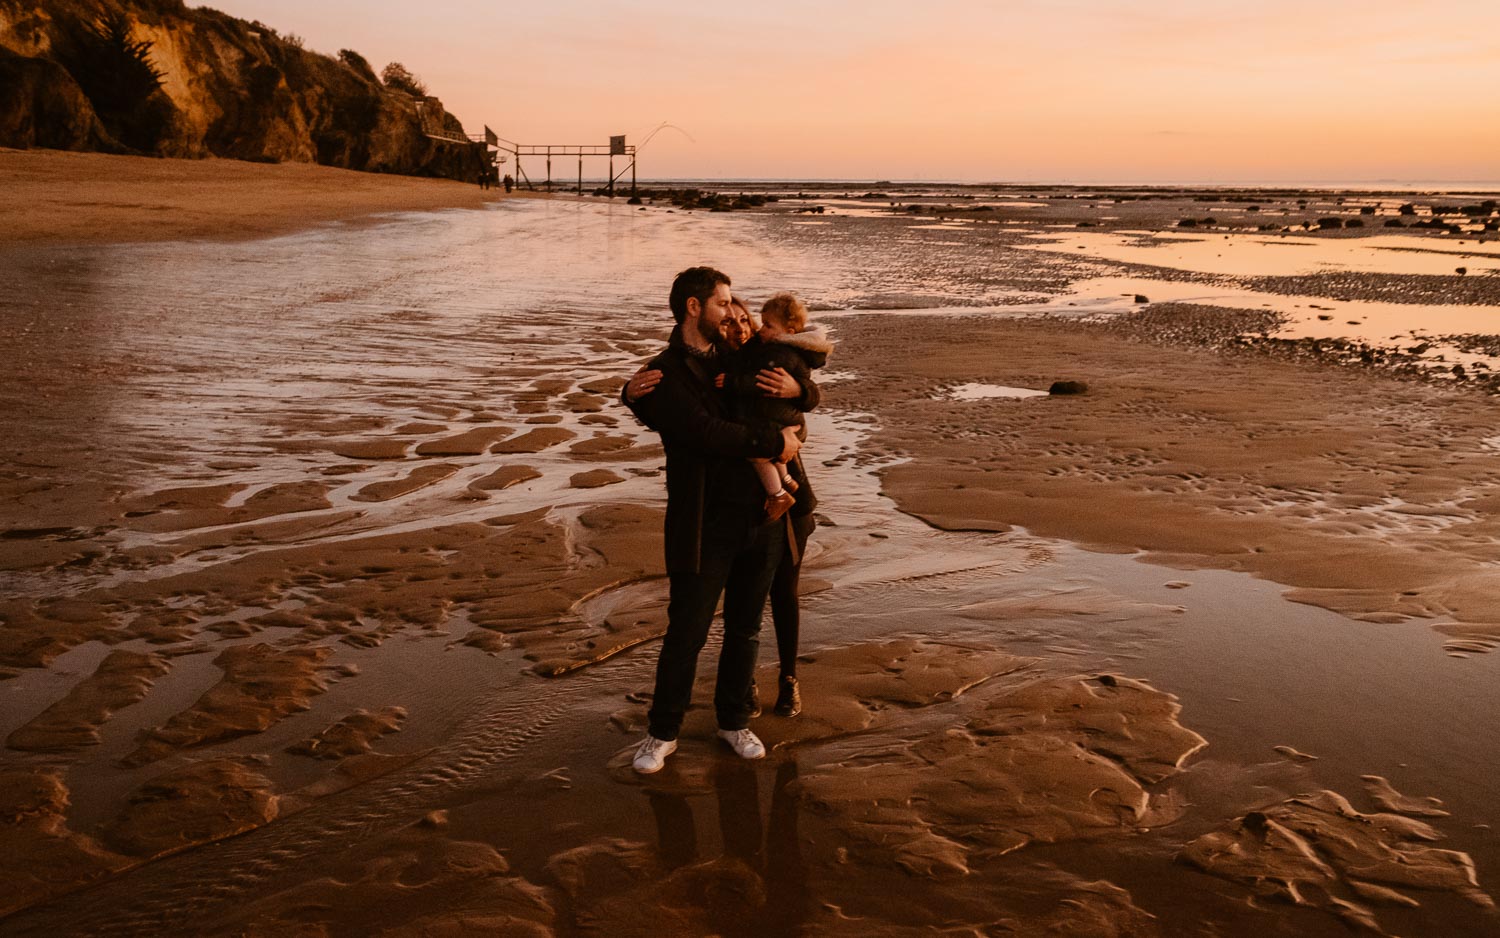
<point>717,538</point>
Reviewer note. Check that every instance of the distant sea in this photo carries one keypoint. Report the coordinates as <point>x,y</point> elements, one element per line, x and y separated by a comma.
<point>1395,185</point>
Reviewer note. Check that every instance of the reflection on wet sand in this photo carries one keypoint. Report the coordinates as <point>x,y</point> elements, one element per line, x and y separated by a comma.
<point>753,878</point>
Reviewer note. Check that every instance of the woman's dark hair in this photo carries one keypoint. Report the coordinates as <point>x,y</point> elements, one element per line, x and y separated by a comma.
<point>696,282</point>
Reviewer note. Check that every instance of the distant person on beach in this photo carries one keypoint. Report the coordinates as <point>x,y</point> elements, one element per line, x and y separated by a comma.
<point>509,182</point>
<point>484,179</point>
<point>718,541</point>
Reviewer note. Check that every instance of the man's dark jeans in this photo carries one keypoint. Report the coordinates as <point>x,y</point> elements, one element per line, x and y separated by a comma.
<point>739,563</point>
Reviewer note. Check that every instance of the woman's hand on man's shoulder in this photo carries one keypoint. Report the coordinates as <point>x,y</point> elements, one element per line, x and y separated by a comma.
<point>641,383</point>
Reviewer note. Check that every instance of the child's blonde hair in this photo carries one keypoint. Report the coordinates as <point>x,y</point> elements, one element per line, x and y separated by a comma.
<point>786,311</point>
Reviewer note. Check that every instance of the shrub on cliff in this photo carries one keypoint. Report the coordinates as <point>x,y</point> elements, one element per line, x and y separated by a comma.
<point>359,64</point>
<point>114,70</point>
<point>117,75</point>
<point>397,76</point>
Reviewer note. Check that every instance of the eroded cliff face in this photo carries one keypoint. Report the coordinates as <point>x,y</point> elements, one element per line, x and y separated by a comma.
<point>228,88</point>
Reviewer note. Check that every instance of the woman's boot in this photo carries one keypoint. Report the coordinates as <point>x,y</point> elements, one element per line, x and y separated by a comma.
<point>788,699</point>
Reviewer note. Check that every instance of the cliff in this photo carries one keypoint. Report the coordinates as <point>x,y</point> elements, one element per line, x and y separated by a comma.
<point>156,77</point>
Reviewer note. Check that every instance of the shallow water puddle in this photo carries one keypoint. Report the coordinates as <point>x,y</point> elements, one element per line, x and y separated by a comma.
<point>942,226</point>
<point>978,392</point>
<point>1307,316</point>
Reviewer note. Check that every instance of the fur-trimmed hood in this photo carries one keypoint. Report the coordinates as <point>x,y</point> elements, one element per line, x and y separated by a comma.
<point>812,339</point>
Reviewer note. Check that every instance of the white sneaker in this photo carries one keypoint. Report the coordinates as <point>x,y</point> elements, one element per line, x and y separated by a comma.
<point>745,744</point>
<point>652,754</point>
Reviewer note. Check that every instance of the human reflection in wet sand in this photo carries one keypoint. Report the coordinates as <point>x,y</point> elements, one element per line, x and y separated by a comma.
<point>771,852</point>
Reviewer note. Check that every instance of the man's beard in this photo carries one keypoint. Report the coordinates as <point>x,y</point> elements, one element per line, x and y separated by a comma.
<point>710,334</point>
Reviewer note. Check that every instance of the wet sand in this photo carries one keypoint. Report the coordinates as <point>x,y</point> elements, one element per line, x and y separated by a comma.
<point>333,578</point>
<point>1367,496</point>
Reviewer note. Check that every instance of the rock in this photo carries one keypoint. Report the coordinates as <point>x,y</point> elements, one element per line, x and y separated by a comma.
<point>1460,270</point>
<point>1068,387</point>
<point>1139,298</point>
<point>42,106</point>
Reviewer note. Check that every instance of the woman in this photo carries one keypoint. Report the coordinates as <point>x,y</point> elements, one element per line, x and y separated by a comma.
<point>739,332</point>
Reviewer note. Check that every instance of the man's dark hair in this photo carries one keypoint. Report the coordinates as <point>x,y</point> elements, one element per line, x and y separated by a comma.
<point>696,282</point>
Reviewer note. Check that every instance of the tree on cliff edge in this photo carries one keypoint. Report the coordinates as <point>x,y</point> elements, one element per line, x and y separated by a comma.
<point>115,71</point>
<point>397,76</point>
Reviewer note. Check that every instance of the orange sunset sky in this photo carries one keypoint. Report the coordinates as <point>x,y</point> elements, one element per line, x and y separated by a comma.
<point>1023,90</point>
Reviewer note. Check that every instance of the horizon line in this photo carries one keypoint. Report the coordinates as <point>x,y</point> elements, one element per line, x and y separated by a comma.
<point>1484,184</point>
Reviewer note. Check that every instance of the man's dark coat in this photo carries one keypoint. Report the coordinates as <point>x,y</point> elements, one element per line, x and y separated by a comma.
<point>709,477</point>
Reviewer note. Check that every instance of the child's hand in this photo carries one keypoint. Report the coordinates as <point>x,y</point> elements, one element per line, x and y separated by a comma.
<point>719,380</point>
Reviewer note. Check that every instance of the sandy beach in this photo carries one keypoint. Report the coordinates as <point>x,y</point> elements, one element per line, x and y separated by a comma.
<point>332,567</point>
<point>59,197</point>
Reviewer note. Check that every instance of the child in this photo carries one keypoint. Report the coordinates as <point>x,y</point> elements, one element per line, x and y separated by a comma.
<point>784,341</point>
